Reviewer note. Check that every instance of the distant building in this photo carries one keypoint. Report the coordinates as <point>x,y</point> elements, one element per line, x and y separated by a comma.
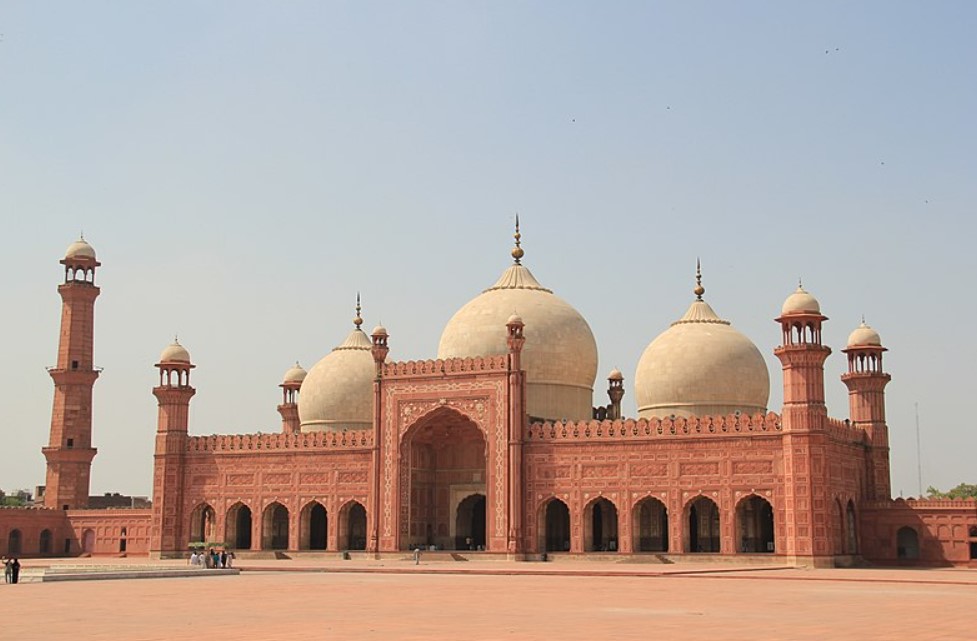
<point>496,447</point>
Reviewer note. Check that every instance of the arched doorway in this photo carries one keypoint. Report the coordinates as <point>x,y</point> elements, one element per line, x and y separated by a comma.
<point>44,544</point>
<point>907,544</point>
<point>600,526</point>
<point>202,524</point>
<point>274,527</point>
<point>352,527</point>
<point>754,517</point>
<point>555,533</point>
<point>851,529</point>
<point>703,520</point>
<point>313,527</point>
<point>650,526</point>
<point>237,527</point>
<point>14,543</point>
<point>470,523</point>
<point>837,528</point>
<point>445,455</point>
<point>88,541</point>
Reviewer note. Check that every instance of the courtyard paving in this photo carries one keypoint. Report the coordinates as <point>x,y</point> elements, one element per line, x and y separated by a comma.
<point>331,599</point>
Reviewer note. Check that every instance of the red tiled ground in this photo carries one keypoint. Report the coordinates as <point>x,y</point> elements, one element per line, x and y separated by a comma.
<point>649,604</point>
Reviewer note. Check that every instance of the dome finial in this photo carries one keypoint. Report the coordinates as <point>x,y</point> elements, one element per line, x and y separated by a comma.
<point>699,289</point>
<point>517,251</point>
<point>358,320</point>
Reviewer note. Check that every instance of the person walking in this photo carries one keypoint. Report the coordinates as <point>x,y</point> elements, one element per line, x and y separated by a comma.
<point>7,570</point>
<point>15,571</point>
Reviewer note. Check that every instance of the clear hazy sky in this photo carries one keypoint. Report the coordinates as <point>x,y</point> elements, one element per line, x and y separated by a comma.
<point>243,169</point>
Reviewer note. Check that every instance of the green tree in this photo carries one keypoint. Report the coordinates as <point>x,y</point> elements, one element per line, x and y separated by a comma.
<point>962,491</point>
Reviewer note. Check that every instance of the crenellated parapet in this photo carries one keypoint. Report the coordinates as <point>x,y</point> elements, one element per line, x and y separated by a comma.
<point>920,504</point>
<point>441,367</point>
<point>627,429</point>
<point>348,439</point>
<point>845,430</point>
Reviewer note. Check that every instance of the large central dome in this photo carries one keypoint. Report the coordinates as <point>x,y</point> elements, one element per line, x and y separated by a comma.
<point>560,354</point>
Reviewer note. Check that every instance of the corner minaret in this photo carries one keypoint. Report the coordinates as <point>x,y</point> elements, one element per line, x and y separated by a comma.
<point>289,409</point>
<point>803,357</point>
<point>866,383</point>
<point>69,452</point>
<point>173,395</point>
<point>805,419</point>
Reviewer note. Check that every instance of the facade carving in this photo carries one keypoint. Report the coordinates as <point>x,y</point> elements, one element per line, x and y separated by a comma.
<point>454,460</point>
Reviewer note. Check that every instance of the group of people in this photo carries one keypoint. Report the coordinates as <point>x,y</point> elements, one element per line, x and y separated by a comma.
<point>11,570</point>
<point>212,558</point>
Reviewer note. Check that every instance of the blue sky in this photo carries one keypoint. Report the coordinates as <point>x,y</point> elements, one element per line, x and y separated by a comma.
<point>243,169</point>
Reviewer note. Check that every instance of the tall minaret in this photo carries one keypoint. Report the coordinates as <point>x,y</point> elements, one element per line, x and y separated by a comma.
<point>804,418</point>
<point>173,395</point>
<point>289,409</point>
<point>69,452</point>
<point>866,383</point>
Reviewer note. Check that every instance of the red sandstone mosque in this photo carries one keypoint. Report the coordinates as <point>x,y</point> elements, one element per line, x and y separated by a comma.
<point>496,447</point>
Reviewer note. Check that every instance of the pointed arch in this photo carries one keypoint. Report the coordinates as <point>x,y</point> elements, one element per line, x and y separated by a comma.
<point>352,526</point>
<point>600,525</point>
<point>702,518</point>
<point>851,529</point>
<point>237,526</point>
<point>45,542</point>
<point>754,525</point>
<point>650,527</point>
<point>274,527</point>
<point>553,525</point>
<point>313,526</point>
<point>203,524</point>
<point>907,544</point>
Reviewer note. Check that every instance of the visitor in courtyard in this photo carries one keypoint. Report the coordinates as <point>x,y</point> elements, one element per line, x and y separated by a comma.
<point>14,571</point>
<point>215,559</point>
<point>223,558</point>
<point>194,559</point>
<point>7,569</point>
<point>209,558</point>
<point>230,558</point>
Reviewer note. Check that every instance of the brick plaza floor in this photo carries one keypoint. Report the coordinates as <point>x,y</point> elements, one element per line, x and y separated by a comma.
<point>567,601</point>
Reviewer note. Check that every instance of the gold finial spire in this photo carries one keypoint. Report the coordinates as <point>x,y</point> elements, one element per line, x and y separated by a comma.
<point>699,289</point>
<point>358,320</point>
<point>517,251</point>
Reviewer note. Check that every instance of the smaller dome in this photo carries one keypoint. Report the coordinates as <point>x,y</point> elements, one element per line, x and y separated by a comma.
<point>801,302</point>
<point>515,319</point>
<point>864,335</point>
<point>379,330</point>
<point>295,374</point>
<point>80,249</point>
<point>615,375</point>
<point>175,353</point>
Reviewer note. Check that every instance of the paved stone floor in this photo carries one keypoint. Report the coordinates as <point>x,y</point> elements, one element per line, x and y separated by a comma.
<point>497,600</point>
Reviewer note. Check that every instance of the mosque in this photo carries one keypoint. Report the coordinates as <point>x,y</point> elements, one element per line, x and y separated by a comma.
<point>498,448</point>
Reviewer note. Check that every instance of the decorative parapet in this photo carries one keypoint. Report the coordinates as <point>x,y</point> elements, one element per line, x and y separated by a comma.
<point>627,429</point>
<point>349,439</point>
<point>921,504</point>
<point>845,431</point>
<point>440,367</point>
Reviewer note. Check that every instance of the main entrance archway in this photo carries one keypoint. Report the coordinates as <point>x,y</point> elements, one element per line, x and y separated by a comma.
<point>444,454</point>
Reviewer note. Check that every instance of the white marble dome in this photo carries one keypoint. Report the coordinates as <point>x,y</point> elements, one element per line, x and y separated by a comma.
<point>295,374</point>
<point>864,336</point>
<point>560,353</point>
<point>337,393</point>
<point>701,366</point>
<point>801,302</point>
<point>80,249</point>
<point>174,353</point>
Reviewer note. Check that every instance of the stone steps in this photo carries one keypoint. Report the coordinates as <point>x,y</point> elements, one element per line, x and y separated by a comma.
<point>102,573</point>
